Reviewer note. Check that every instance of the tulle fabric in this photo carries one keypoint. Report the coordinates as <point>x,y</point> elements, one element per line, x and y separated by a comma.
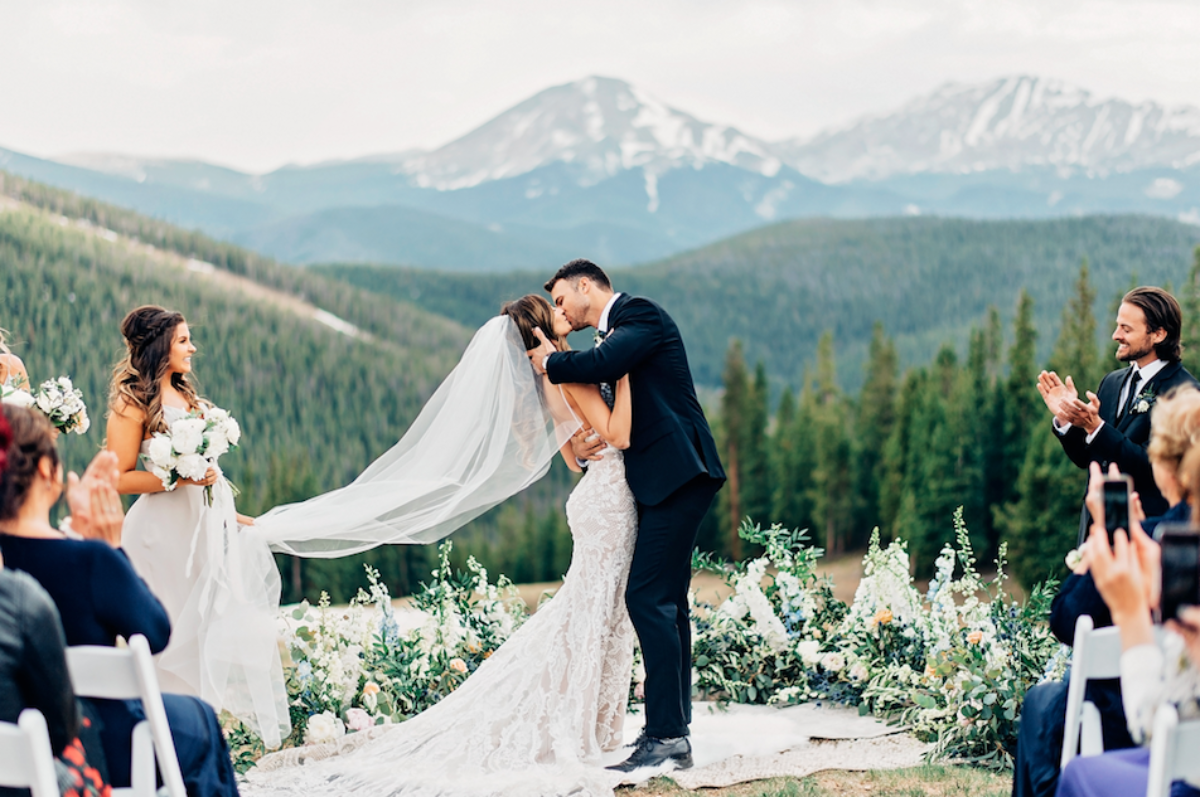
<point>489,431</point>
<point>536,717</point>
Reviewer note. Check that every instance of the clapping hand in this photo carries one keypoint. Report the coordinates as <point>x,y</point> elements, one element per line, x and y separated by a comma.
<point>1056,393</point>
<point>96,510</point>
<point>538,356</point>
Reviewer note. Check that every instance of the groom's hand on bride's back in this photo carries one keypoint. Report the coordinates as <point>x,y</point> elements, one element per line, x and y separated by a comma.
<point>538,356</point>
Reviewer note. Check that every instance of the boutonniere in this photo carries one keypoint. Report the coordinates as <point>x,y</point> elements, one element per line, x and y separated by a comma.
<point>598,337</point>
<point>1145,400</point>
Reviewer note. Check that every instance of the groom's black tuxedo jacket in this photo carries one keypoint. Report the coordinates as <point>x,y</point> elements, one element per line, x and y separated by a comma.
<point>670,442</point>
<point>1124,442</point>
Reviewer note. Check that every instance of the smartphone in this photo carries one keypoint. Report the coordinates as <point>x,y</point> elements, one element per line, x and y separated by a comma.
<point>1180,577</point>
<point>1116,503</point>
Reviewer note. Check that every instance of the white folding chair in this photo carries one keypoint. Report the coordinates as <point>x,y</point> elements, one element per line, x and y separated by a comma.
<point>1096,654</point>
<point>1173,751</point>
<point>124,674</point>
<point>26,760</point>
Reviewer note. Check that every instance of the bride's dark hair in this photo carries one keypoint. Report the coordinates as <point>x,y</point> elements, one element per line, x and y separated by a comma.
<point>530,312</point>
<point>149,332</point>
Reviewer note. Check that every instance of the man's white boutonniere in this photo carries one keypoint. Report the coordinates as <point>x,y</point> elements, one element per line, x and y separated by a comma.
<point>598,337</point>
<point>1145,400</point>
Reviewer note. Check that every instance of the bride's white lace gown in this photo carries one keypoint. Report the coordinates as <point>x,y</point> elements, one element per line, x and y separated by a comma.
<point>536,717</point>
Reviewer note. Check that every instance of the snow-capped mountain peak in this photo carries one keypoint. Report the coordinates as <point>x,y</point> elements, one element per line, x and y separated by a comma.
<point>1009,123</point>
<point>598,125</point>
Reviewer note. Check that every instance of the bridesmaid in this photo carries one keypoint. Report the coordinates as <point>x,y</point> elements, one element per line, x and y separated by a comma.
<point>150,388</point>
<point>192,551</point>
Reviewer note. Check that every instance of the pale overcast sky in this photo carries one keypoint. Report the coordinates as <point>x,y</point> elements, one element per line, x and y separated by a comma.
<point>255,84</point>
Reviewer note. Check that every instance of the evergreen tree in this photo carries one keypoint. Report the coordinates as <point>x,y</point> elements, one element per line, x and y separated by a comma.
<point>1041,524</point>
<point>831,476</point>
<point>785,480</point>
<point>1022,404</point>
<point>734,410</point>
<point>874,418</point>
<point>1191,316</point>
<point>755,483</point>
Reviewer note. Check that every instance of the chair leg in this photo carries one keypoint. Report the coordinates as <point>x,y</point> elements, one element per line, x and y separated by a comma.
<point>1091,737</point>
<point>143,778</point>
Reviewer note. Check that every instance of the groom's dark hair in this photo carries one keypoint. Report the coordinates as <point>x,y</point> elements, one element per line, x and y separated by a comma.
<point>579,268</point>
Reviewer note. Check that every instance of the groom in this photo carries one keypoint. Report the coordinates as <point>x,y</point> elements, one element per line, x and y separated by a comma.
<point>673,470</point>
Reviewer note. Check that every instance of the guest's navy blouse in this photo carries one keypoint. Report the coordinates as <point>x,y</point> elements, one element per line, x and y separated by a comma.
<point>97,592</point>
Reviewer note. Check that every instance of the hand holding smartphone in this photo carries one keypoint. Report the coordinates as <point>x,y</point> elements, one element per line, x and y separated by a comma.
<point>1116,490</point>
<point>1180,546</point>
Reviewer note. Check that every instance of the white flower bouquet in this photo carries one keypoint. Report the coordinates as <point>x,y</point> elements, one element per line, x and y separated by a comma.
<point>191,445</point>
<point>57,399</point>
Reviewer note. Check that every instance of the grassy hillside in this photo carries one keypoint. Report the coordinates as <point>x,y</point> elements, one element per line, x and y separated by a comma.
<point>777,288</point>
<point>316,404</point>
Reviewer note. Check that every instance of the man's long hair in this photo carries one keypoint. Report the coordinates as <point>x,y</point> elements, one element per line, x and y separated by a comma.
<point>1162,312</point>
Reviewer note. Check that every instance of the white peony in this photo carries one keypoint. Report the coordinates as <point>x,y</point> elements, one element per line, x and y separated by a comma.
<point>324,727</point>
<point>810,651</point>
<point>46,402</point>
<point>19,398</point>
<point>217,444</point>
<point>187,434</point>
<point>192,466</point>
<point>231,430</point>
<point>833,662</point>
<point>161,452</point>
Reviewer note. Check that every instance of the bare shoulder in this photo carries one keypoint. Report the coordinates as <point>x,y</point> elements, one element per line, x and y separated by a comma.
<point>125,411</point>
<point>11,365</point>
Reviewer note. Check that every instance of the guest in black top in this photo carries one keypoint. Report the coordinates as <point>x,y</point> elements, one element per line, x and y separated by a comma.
<point>98,594</point>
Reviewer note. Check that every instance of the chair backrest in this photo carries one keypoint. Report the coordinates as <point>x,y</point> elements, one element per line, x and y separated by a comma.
<point>1172,751</point>
<point>26,760</point>
<point>122,674</point>
<point>1096,654</point>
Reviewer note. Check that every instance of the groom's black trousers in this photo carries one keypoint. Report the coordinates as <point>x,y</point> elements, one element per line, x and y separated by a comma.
<point>658,604</point>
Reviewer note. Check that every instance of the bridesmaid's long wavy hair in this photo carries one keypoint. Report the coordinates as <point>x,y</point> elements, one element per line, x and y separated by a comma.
<point>533,311</point>
<point>149,332</point>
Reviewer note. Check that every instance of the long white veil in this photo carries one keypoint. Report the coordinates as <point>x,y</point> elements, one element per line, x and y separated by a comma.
<point>489,431</point>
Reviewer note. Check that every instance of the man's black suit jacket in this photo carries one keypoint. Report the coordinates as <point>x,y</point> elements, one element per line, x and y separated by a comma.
<point>1125,442</point>
<point>670,442</point>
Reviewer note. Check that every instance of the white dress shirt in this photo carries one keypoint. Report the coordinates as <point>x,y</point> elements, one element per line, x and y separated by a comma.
<point>1140,377</point>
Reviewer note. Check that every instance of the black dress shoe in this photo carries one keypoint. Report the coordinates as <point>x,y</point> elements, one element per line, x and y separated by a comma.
<point>661,755</point>
<point>637,742</point>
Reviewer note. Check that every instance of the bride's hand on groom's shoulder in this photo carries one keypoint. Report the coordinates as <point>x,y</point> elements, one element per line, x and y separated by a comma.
<point>587,445</point>
<point>538,356</point>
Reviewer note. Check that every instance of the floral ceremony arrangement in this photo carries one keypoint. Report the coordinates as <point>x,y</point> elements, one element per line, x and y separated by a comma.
<point>952,665</point>
<point>57,399</point>
<point>191,445</point>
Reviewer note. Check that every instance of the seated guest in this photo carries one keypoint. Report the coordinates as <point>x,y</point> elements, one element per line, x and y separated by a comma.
<point>1175,420</point>
<point>33,672</point>
<point>1126,574</point>
<point>98,594</point>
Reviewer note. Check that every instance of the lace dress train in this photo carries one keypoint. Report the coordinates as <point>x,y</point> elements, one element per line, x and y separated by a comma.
<point>537,716</point>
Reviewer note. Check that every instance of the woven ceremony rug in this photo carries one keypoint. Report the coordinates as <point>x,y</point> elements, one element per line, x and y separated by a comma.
<point>742,743</point>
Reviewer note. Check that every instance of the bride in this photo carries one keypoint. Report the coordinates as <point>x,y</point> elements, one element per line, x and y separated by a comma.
<point>190,551</point>
<point>535,718</point>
